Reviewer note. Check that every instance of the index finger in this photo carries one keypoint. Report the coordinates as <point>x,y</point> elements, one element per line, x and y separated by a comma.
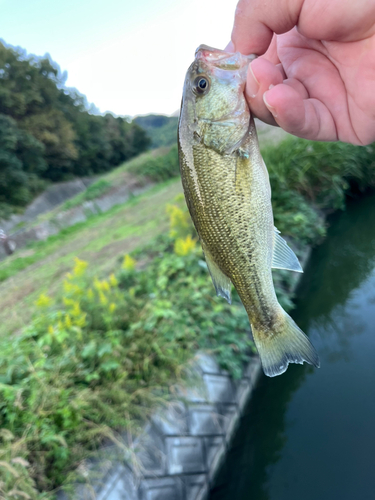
<point>256,21</point>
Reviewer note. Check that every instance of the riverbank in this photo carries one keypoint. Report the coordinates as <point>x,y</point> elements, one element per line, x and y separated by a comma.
<point>165,312</point>
<point>182,449</point>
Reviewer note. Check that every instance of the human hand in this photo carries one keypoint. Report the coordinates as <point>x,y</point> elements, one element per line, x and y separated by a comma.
<point>319,59</point>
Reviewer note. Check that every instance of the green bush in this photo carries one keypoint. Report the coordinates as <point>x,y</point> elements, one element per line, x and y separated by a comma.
<point>60,133</point>
<point>158,167</point>
<point>21,164</point>
<point>320,171</point>
<point>310,179</point>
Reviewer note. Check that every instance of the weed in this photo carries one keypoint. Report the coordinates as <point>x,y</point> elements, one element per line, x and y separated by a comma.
<point>98,360</point>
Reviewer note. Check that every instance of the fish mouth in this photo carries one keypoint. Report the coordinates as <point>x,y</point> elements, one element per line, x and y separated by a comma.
<point>222,59</point>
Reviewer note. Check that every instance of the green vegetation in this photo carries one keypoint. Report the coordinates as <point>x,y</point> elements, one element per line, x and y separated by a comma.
<point>42,249</point>
<point>48,132</point>
<point>158,164</point>
<point>110,341</point>
<point>99,240</point>
<point>309,179</point>
<point>21,166</point>
<point>97,360</point>
<point>161,129</point>
<point>158,167</point>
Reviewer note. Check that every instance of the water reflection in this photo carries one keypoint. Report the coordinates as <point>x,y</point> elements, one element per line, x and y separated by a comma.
<point>341,262</point>
<point>309,433</point>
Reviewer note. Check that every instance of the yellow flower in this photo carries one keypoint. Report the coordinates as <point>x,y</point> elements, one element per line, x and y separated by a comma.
<point>68,321</point>
<point>112,307</point>
<point>103,299</point>
<point>68,302</point>
<point>129,263</point>
<point>71,287</point>
<point>51,330</point>
<point>76,311</point>
<point>105,286</point>
<point>43,301</point>
<point>80,267</point>
<point>90,294</point>
<point>113,281</point>
<point>60,326</point>
<point>178,220</point>
<point>184,246</point>
<point>101,285</point>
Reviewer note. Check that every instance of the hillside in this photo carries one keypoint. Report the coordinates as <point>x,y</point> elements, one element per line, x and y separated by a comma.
<point>48,132</point>
<point>161,129</point>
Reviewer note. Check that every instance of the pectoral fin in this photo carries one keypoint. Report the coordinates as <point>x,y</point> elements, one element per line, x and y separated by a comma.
<point>222,283</point>
<point>283,256</point>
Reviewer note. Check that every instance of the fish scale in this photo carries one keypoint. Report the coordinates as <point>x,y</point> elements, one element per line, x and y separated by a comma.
<point>236,254</point>
<point>228,194</point>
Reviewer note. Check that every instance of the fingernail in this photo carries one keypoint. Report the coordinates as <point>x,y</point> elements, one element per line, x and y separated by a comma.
<point>271,108</point>
<point>230,47</point>
<point>252,84</point>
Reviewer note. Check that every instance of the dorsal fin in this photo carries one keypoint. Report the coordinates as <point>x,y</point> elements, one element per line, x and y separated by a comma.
<point>222,283</point>
<point>283,256</point>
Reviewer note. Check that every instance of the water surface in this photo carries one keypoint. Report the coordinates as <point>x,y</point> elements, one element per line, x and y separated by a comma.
<point>310,433</point>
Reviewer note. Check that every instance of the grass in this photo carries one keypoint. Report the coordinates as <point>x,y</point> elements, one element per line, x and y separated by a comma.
<point>136,163</point>
<point>99,240</point>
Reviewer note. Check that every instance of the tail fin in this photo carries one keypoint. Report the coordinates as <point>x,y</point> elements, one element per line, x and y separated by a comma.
<point>288,344</point>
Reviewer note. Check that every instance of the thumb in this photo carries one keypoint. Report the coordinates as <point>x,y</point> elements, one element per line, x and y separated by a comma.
<point>256,21</point>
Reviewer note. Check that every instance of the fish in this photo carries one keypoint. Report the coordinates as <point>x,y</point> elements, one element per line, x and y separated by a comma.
<point>228,194</point>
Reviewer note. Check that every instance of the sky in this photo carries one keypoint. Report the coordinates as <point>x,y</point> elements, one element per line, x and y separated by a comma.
<point>127,57</point>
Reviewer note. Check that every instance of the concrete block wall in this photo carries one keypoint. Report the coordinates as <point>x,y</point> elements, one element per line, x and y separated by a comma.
<point>181,448</point>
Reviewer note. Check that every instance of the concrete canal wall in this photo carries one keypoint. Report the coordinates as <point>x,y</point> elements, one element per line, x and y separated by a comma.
<point>36,227</point>
<point>181,449</point>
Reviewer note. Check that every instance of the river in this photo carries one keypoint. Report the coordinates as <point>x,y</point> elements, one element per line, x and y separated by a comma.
<point>310,433</point>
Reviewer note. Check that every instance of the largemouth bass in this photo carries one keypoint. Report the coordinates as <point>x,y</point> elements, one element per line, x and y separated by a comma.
<point>228,194</point>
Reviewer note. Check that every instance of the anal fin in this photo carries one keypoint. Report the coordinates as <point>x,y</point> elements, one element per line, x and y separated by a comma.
<point>283,256</point>
<point>222,283</point>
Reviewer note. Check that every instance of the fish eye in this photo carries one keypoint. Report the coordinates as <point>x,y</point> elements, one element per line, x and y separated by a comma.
<point>201,84</point>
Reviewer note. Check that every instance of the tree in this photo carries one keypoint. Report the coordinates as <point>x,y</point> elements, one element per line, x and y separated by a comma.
<point>21,163</point>
<point>75,141</point>
<point>53,130</point>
